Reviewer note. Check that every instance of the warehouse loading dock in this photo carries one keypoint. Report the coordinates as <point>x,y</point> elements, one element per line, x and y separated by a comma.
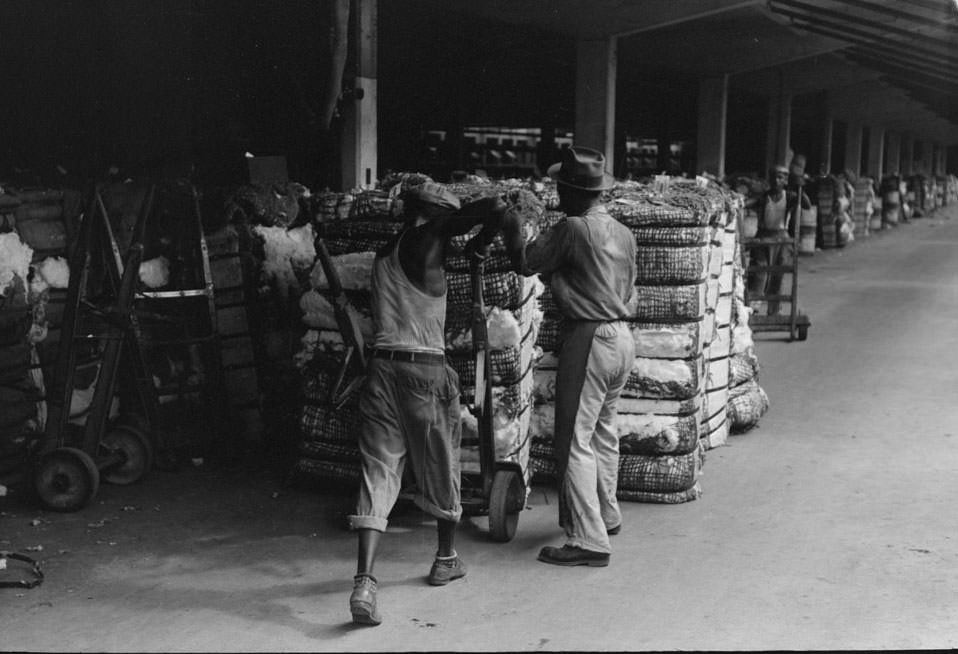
<point>880,143</point>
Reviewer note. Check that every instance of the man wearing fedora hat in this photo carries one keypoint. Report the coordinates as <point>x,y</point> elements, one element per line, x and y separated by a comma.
<point>589,260</point>
<point>410,402</point>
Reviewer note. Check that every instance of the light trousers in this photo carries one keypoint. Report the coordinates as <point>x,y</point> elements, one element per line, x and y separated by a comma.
<point>594,363</point>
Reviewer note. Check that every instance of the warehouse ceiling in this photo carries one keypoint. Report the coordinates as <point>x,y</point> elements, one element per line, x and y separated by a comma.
<point>888,61</point>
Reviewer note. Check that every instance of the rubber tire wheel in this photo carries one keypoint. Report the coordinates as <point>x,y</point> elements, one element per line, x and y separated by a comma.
<point>137,454</point>
<point>66,479</point>
<point>506,500</point>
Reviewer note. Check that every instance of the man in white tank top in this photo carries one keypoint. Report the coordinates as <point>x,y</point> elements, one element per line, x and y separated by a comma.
<point>410,404</point>
<point>775,209</point>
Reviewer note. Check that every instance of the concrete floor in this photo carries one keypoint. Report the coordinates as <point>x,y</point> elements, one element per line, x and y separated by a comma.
<point>831,526</point>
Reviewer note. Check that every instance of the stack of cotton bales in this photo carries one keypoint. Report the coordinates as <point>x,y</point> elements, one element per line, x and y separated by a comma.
<point>684,236</point>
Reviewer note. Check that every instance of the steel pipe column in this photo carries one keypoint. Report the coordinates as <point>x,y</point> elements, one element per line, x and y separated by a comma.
<point>713,112</point>
<point>876,152</point>
<point>359,142</point>
<point>779,130</point>
<point>853,147</point>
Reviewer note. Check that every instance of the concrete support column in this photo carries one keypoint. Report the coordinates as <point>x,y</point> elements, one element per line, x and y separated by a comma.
<point>853,147</point>
<point>828,132</point>
<point>907,156</point>
<point>596,64</point>
<point>359,142</point>
<point>779,130</point>
<point>893,155</point>
<point>876,152</point>
<point>713,111</point>
<point>927,163</point>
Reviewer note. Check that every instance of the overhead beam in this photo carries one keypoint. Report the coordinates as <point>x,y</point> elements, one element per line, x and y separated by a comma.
<point>936,23</point>
<point>906,72</point>
<point>946,74</point>
<point>869,42</point>
<point>695,15</point>
<point>931,5</point>
<point>812,13</point>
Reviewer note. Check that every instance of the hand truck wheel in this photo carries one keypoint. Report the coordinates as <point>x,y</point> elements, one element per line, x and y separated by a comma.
<point>506,500</point>
<point>135,453</point>
<point>66,479</point>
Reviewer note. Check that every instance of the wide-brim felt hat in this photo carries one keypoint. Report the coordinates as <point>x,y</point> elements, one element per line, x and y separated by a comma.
<point>582,168</point>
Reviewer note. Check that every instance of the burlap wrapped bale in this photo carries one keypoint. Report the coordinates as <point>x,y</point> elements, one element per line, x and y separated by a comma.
<point>671,265</point>
<point>666,378</point>
<point>323,423</point>
<point>338,472</point>
<point>670,304</point>
<point>635,211</point>
<point>506,290</point>
<point>747,404</point>
<point>743,368</point>
<point>671,236</point>
<point>657,434</point>
<point>660,473</point>
<point>653,497</point>
<point>676,341</point>
<point>330,451</point>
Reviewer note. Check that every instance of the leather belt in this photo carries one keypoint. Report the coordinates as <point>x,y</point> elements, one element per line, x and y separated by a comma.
<point>407,356</point>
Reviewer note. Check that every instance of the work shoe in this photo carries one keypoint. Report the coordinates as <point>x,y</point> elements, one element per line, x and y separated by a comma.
<point>362,601</point>
<point>445,570</point>
<point>614,530</point>
<point>572,555</point>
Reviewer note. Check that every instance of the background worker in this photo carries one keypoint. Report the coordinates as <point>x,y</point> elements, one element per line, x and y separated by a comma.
<point>589,258</point>
<point>775,209</point>
<point>410,403</point>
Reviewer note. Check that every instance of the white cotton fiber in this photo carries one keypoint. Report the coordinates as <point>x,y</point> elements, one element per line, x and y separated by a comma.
<point>662,370</point>
<point>647,426</point>
<point>503,329</point>
<point>671,341</point>
<point>318,312</point>
<point>55,271</point>
<point>470,426</point>
<point>155,273</point>
<point>15,259</point>
<point>543,421</point>
<point>286,250</point>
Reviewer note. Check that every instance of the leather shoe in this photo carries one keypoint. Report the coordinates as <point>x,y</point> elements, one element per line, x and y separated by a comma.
<point>572,555</point>
<point>614,530</point>
<point>362,601</point>
<point>445,570</point>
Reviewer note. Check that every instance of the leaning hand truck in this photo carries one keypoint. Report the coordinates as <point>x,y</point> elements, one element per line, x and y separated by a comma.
<point>69,467</point>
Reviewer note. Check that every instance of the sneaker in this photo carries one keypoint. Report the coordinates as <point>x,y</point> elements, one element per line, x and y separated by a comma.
<point>362,601</point>
<point>614,530</point>
<point>445,570</point>
<point>572,555</point>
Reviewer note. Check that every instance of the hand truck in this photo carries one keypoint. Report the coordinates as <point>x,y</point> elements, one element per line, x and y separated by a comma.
<point>121,451</point>
<point>499,489</point>
<point>794,322</point>
<point>67,473</point>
